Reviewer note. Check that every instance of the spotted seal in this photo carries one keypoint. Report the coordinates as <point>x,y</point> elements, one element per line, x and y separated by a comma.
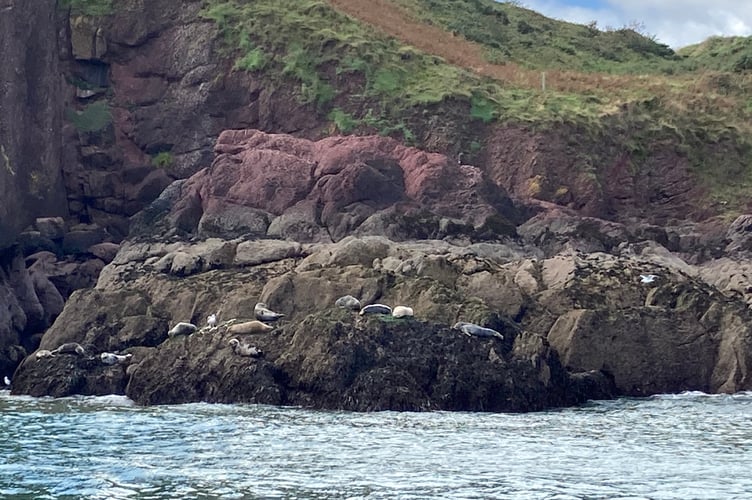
<point>69,348</point>
<point>243,349</point>
<point>263,313</point>
<point>182,328</point>
<point>348,302</point>
<point>250,327</point>
<point>376,309</point>
<point>110,358</point>
<point>402,312</point>
<point>473,330</point>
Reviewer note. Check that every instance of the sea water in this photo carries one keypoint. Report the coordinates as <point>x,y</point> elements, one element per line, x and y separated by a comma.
<point>686,446</point>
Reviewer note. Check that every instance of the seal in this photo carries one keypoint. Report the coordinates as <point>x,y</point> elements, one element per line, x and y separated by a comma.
<point>250,327</point>
<point>376,309</point>
<point>263,313</point>
<point>473,330</point>
<point>402,312</point>
<point>110,358</point>
<point>243,349</point>
<point>69,348</point>
<point>348,302</point>
<point>43,353</point>
<point>182,328</point>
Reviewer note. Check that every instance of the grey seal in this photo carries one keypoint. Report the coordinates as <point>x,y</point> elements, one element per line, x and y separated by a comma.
<point>402,312</point>
<point>376,309</point>
<point>243,349</point>
<point>471,329</point>
<point>250,327</point>
<point>348,302</point>
<point>182,328</point>
<point>263,313</point>
<point>43,353</point>
<point>69,348</point>
<point>110,358</point>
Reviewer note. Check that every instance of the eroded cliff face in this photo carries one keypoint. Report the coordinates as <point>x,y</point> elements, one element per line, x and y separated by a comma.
<point>30,116</point>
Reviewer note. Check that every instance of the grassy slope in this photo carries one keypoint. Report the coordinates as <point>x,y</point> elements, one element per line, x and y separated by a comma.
<point>396,66</point>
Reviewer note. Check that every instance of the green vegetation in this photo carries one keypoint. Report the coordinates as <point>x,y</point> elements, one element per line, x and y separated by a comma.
<point>92,118</point>
<point>616,89</point>
<point>510,33</point>
<point>163,159</point>
<point>88,7</point>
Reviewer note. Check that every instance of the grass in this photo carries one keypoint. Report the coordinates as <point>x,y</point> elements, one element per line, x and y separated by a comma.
<point>92,8</point>
<point>407,67</point>
<point>92,118</point>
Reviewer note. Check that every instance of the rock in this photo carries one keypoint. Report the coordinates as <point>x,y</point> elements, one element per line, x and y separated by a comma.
<point>31,143</point>
<point>52,228</point>
<point>79,241</point>
<point>104,251</point>
<point>326,190</point>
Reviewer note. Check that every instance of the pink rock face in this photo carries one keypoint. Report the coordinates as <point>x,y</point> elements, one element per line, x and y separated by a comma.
<point>278,174</point>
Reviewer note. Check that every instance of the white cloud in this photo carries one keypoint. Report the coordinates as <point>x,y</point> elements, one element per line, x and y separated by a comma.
<point>674,22</point>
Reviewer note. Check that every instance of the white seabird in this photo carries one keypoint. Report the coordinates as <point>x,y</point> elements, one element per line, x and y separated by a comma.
<point>211,320</point>
<point>648,278</point>
<point>6,380</point>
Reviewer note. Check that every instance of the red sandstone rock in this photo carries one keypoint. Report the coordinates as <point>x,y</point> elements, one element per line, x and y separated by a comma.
<point>346,179</point>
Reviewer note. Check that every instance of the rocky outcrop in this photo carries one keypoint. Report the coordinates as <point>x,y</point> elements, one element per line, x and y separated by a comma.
<point>279,186</point>
<point>30,116</point>
<point>575,326</point>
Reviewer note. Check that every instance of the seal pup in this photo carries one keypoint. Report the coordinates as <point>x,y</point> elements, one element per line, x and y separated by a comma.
<point>402,312</point>
<point>110,358</point>
<point>211,321</point>
<point>243,349</point>
<point>471,329</point>
<point>69,348</point>
<point>263,313</point>
<point>348,302</point>
<point>376,309</point>
<point>182,328</point>
<point>647,278</point>
<point>250,327</point>
<point>43,353</point>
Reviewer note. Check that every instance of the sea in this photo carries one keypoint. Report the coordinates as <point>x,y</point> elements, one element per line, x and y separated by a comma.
<point>683,446</point>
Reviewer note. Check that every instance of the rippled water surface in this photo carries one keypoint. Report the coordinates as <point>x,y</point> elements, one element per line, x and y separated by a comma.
<point>685,446</point>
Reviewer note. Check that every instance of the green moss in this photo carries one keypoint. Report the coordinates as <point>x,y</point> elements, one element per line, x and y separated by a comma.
<point>92,8</point>
<point>92,118</point>
<point>163,159</point>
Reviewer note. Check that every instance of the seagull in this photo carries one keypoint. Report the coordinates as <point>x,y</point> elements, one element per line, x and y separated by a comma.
<point>263,313</point>
<point>211,320</point>
<point>647,278</point>
<point>6,380</point>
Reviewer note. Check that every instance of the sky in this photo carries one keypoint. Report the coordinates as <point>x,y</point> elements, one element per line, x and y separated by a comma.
<point>676,23</point>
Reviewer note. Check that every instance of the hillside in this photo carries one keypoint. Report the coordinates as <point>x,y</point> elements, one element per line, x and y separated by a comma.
<point>408,67</point>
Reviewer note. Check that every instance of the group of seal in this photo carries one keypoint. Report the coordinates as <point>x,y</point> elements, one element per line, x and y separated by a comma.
<point>108,358</point>
<point>353,304</point>
<point>469,329</point>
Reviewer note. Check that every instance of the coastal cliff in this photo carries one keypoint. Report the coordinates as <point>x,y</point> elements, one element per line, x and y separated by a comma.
<point>172,163</point>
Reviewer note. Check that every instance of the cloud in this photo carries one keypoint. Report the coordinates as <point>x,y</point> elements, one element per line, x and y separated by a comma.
<point>674,22</point>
